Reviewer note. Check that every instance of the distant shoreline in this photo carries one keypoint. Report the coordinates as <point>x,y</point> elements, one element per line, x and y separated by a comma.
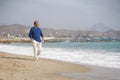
<point>10,40</point>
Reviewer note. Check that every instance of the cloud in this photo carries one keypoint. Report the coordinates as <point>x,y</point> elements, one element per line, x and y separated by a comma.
<point>70,14</point>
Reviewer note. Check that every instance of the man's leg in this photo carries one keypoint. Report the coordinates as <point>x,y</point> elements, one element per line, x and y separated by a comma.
<point>39,46</point>
<point>35,49</point>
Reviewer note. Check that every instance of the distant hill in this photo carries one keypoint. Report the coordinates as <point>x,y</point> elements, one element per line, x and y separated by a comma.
<point>14,29</point>
<point>98,30</point>
<point>100,27</point>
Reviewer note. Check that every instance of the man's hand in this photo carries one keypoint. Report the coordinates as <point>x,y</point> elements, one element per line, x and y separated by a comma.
<point>31,38</point>
<point>43,39</point>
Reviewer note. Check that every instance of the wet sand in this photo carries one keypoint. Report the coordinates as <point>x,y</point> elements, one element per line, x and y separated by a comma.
<point>97,73</point>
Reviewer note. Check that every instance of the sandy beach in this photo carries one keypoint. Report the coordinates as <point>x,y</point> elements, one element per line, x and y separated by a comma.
<point>19,67</point>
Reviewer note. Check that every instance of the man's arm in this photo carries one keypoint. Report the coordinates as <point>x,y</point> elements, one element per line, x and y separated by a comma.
<point>30,34</point>
<point>41,34</point>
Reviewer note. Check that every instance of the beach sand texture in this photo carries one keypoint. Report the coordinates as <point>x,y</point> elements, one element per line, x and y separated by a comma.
<point>18,67</point>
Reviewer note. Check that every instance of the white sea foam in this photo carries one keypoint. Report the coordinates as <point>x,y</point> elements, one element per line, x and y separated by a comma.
<point>75,56</point>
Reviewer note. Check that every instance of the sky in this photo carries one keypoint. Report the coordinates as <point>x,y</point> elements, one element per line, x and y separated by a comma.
<point>61,14</point>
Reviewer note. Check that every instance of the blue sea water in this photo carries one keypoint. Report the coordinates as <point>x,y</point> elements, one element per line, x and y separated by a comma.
<point>105,54</point>
<point>98,46</point>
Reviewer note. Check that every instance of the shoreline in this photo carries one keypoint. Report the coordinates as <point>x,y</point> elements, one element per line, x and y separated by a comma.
<point>24,39</point>
<point>46,69</point>
<point>19,67</point>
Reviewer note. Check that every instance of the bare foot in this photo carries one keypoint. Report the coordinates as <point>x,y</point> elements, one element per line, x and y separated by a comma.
<point>36,59</point>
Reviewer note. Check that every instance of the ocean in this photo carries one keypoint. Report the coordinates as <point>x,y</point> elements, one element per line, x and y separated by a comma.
<point>105,54</point>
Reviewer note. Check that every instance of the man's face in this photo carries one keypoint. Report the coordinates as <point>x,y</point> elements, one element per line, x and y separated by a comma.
<point>36,24</point>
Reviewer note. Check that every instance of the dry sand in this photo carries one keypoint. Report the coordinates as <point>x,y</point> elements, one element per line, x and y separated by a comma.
<point>18,67</point>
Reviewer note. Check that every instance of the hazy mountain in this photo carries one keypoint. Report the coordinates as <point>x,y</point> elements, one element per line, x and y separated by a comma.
<point>99,30</point>
<point>100,27</point>
<point>14,29</point>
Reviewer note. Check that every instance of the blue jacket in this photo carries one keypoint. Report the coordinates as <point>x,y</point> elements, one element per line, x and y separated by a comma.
<point>36,34</point>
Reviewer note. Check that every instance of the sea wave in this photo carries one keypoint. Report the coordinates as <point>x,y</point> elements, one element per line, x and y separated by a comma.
<point>78,56</point>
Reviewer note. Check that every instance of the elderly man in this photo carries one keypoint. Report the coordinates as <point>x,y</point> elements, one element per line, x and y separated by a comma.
<point>36,36</point>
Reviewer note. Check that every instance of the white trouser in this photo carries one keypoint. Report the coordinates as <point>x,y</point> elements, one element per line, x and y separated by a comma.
<point>37,47</point>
